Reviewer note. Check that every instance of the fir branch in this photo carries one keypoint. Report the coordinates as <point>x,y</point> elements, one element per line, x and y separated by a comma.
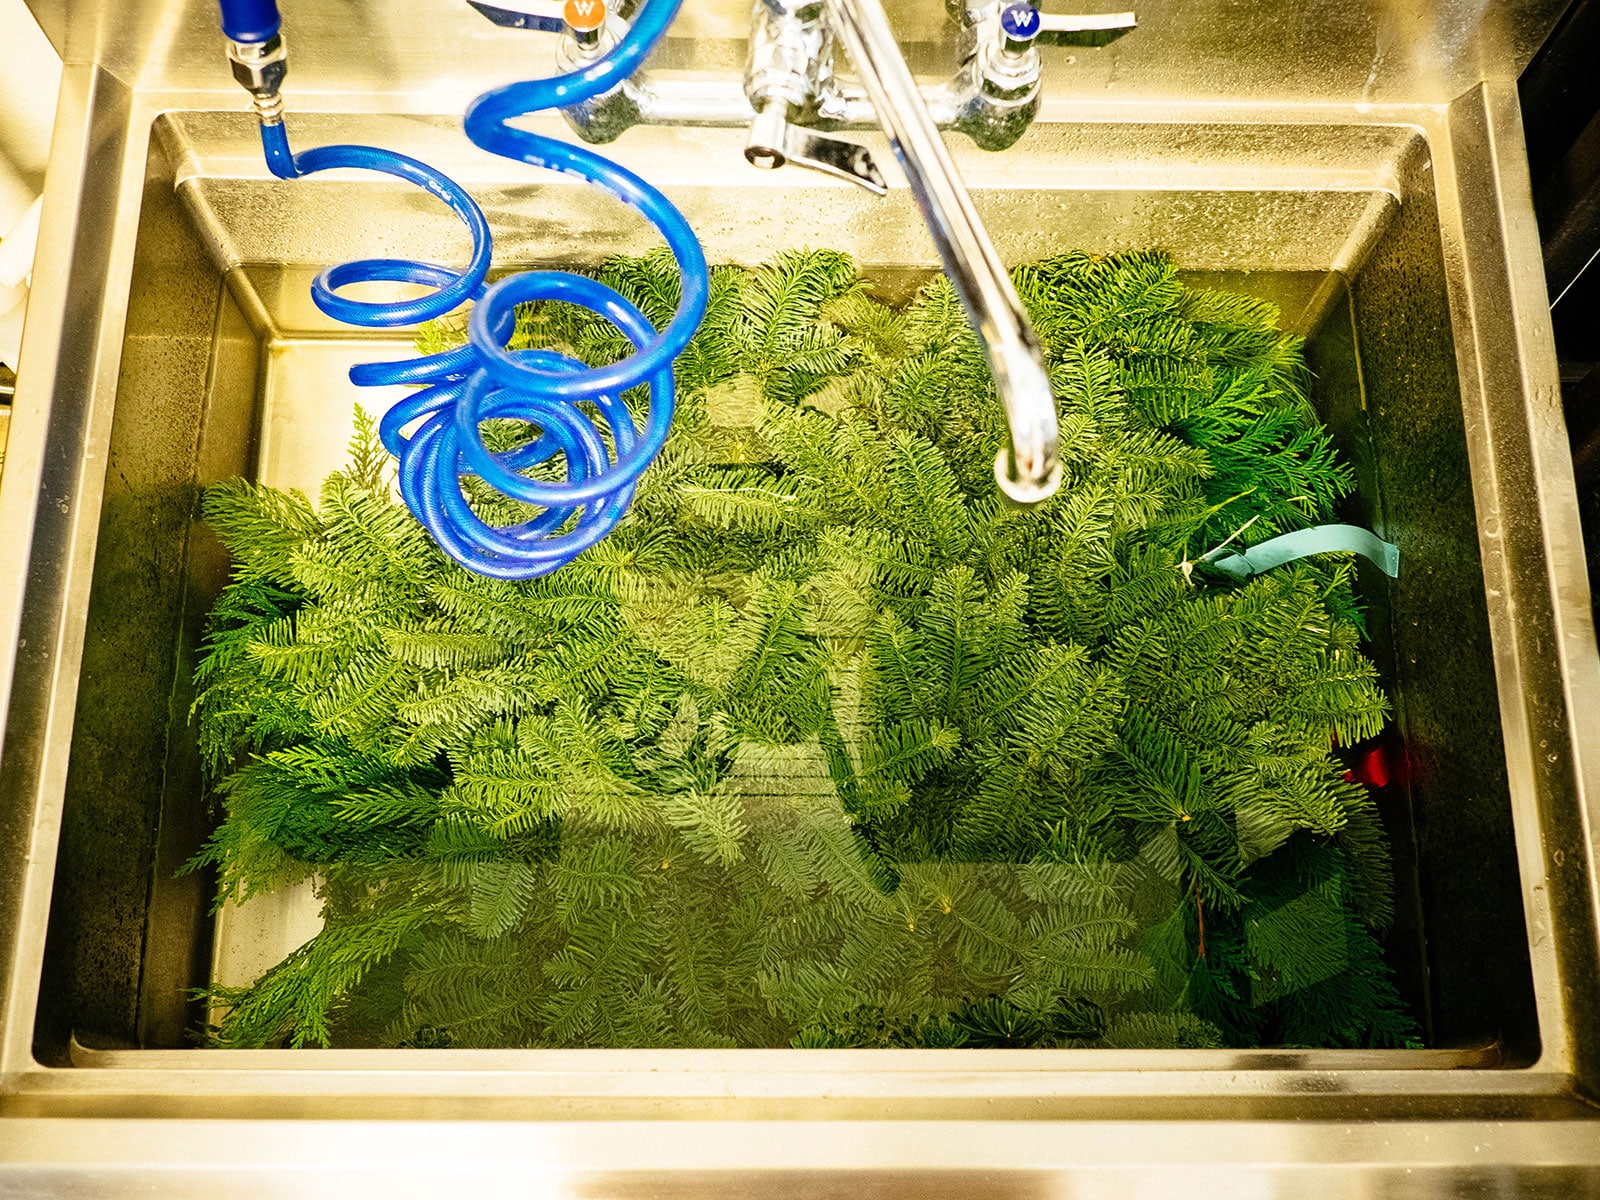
<point>824,746</point>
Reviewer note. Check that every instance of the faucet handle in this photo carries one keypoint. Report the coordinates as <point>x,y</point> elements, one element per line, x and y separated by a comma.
<point>1023,24</point>
<point>774,142</point>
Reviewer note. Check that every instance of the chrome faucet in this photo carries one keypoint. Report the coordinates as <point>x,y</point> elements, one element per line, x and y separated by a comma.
<point>1028,471</point>
<point>793,102</point>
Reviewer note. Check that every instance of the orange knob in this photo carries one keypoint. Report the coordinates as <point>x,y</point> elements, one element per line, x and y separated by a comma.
<point>585,16</point>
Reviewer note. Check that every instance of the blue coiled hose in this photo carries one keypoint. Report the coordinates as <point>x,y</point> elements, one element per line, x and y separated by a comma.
<point>482,380</point>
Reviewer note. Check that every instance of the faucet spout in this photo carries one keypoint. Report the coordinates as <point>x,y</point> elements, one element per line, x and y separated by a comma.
<point>1028,470</point>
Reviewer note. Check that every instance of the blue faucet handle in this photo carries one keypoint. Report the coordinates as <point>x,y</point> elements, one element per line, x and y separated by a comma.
<point>1020,21</point>
<point>1023,24</point>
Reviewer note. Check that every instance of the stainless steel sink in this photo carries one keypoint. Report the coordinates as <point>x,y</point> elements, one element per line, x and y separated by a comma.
<point>173,343</point>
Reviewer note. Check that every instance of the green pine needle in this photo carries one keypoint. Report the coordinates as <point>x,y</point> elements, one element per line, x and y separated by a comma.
<point>824,746</point>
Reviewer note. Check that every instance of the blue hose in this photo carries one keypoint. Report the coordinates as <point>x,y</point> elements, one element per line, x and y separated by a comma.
<point>483,380</point>
<point>250,20</point>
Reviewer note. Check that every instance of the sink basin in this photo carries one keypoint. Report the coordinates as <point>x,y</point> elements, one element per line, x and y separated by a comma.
<point>221,267</point>
<point>179,347</point>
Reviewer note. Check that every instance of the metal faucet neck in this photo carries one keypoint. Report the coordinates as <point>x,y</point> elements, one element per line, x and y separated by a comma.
<point>1029,470</point>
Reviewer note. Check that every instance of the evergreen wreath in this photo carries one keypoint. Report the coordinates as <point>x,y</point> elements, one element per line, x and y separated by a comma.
<point>825,745</point>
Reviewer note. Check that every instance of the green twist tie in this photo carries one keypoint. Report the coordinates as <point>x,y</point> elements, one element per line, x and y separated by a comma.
<point>1350,539</point>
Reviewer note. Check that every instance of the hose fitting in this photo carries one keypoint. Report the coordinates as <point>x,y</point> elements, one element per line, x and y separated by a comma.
<point>260,68</point>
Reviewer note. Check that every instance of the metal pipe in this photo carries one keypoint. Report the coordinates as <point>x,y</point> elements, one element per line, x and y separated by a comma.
<point>1029,471</point>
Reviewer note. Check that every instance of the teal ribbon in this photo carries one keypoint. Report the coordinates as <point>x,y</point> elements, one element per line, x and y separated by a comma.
<point>1323,539</point>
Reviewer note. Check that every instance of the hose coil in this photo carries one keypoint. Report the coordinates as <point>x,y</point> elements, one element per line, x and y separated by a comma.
<point>482,380</point>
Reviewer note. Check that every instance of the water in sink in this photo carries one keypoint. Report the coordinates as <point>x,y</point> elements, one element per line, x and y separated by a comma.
<point>826,746</point>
